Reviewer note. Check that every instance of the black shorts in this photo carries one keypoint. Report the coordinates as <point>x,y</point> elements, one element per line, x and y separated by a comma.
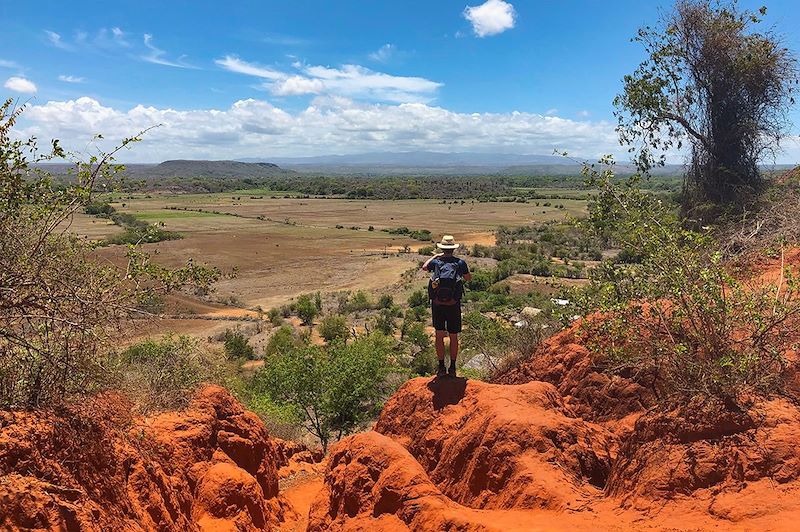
<point>446,317</point>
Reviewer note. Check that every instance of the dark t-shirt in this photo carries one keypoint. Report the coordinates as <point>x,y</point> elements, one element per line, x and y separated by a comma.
<point>463,269</point>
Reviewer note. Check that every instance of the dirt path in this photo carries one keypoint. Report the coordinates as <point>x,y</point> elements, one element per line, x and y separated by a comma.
<point>300,494</point>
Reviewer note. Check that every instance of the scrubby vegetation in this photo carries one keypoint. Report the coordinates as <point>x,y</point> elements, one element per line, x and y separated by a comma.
<point>136,231</point>
<point>676,316</point>
<point>59,308</point>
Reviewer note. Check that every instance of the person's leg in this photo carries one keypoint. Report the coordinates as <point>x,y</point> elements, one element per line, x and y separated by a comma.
<point>454,328</point>
<point>440,345</point>
<point>440,369</point>
<point>453,349</point>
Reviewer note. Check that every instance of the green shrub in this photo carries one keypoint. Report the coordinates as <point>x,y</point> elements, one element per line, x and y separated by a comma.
<point>424,362</point>
<point>415,334</point>
<point>356,302</point>
<point>333,327</point>
<point>275,316</point>
<point>385,301</point>
<point>337,389</point>
<point>677,315</point>
<point>236,345</point>
<point>418,298</point>
<point>161,374</point>
<point>384,322</point>
<point>306,309</point>
<point>281,340</point>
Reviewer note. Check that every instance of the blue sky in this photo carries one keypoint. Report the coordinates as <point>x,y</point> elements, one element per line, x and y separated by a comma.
<point>246,79</point>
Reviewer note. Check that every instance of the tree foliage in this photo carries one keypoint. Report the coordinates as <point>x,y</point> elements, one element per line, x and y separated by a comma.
<point>677,319</point>
<point>712,79</point>
<point>336,388</point>
<point>58,307</point>
<point>334,327</point>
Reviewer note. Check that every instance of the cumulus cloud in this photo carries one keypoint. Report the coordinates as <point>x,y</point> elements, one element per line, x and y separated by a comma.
<point>71,79</point>
<point>330,124</point>
<point>297,85</point>
<point>353,81</point>
<point>18,84</point>
<point>491,17</point>
<point>384,53</point>
<point>159,57</point>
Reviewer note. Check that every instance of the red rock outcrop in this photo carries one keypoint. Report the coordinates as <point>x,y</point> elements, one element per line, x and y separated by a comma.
<point>462,455</point>
<point>494,446</point>
<point>210,467</point>
<point>564,361</point>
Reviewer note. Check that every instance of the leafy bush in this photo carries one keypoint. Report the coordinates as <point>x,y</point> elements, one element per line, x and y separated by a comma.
<point>161,374</point>
<point>281,340</point>
<point>275,316</point>
<point>354,302</point>
<point>385,301</point>
<point>59,308</point>
<point>385,323</point>
<point>418,298</point>
<point>333,327</point>
<point>236,345</point>
<point>678,316</point>
<point>482,279</point>
<point>337,389</point>
<point>306,309</point>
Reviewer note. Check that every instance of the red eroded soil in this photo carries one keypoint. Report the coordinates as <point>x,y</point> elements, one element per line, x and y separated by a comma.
<point>558,445</point>
<point>554,444</point>
<point>210,467</point>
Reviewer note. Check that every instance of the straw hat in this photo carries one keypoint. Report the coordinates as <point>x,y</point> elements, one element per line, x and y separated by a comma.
<point>448,242</point>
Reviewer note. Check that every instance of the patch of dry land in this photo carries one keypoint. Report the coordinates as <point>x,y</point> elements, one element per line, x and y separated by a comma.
<point>283,247</point>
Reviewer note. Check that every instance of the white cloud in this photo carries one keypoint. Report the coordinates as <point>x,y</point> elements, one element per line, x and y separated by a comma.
<point>551,112</point>
<point>384,53</point>
<point>56,40</point>
<point>360,82</point>
<point>71,79</point>
<point>491,17</point>
<point>330,124</point>
<point>158,56</point>
<point>353,81</point>
<point>234,64</point>
<point>297,85</point>
<point>18,84</point>
<point>584,114</point>
<point>8,64</point>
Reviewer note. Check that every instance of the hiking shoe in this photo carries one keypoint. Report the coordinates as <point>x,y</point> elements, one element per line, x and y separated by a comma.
<point>452,371</point>
<point>441,372</point>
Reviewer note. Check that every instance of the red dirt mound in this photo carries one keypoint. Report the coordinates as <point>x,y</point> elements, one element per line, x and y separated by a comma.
<point>461,455</point>
<point>563,361</point>
<point>493,446</point>
<point>210,467</point>
<point>374,484</point>
<point>706,451</point>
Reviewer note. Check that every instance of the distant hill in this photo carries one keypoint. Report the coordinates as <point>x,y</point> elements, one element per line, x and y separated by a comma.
<point>179,168</point>
<point>420,158</point>
<point>214,169</point>
<point>416,163</point>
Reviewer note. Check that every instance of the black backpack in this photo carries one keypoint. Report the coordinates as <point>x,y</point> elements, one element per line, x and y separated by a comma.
<point>445,284</point>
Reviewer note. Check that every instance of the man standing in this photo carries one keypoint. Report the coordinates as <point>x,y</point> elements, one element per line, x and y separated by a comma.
<point>445,289</point>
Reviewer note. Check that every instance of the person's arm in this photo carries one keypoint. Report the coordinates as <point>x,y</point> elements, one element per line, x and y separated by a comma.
<point>466,274</point>
<point>427,262</point>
